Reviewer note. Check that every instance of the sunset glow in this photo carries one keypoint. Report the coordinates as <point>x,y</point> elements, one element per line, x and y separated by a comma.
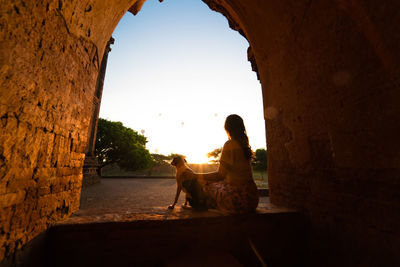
<point>195,157</point>
<point>175,72</point>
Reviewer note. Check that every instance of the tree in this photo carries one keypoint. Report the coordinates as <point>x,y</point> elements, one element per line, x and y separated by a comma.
<point>173,155</point>
<point>118,144</point>
<point>216,154</point>
<point>160,159</point>
<point>260,160</point>
<point>162,164</point>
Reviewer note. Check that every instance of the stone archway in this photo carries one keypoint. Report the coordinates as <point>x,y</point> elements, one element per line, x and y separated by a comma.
<point>329,73</point>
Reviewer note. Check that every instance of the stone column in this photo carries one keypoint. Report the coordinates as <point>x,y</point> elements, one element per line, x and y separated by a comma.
<point>91,173</point>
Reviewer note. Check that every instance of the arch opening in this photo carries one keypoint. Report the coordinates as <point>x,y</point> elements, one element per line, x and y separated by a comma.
<point>191,77</point>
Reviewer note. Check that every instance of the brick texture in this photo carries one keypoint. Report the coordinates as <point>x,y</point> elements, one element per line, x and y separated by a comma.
<point>45,101</point>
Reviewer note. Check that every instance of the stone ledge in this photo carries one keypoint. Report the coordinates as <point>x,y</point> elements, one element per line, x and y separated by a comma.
<point>279,236</point>
<point>162,213</point>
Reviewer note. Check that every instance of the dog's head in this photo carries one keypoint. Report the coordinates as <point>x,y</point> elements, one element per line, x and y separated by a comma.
<point>178,160</point>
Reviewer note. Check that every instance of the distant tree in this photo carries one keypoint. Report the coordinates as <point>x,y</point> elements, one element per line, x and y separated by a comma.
<point>173,155</point>
<point>118,144</point>
<point>260,160</point>
<point>160,162</point>
<point>215,154</point>
<point>160,159</point>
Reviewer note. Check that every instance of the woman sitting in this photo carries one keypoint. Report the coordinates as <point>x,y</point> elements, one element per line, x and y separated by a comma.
<point>231,188</point>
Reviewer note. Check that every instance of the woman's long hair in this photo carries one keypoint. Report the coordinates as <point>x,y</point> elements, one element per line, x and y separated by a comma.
<point>235,127</point>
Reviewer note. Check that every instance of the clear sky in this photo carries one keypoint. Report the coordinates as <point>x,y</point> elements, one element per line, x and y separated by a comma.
<point>175,72</point>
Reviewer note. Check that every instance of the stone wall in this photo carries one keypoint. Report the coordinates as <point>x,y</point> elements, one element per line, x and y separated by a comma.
<point>330,77</point>
<point>46,93</point>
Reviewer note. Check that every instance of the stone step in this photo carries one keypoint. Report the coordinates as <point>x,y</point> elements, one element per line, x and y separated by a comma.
<point>262,239</point>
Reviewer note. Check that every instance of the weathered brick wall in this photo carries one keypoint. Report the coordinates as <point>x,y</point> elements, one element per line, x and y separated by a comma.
<point>330,76</point>
<point>47,80</point>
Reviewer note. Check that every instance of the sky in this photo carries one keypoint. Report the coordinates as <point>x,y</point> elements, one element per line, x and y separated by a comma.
<point>175,72</point>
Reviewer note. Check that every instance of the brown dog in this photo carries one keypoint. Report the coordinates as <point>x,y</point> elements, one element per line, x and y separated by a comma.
<point>183,173</point>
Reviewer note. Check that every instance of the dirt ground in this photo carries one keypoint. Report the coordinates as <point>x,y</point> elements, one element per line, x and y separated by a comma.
<point>139,199</point>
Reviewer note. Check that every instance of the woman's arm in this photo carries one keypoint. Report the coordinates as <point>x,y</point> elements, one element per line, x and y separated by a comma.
<point>210,176</point>
<point>223,168</point>
<point>219,175</point>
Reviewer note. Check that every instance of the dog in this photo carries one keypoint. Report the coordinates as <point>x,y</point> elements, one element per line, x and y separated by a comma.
<point>186,181</point>
<point>183,173</point>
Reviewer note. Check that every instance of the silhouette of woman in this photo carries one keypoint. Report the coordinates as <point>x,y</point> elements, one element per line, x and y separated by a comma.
<point>231,188</point>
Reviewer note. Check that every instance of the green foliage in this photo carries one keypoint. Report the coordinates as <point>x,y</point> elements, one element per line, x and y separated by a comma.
<point>118,144</point>
<point>215,154</point>
<point>159,158</point>
<point>260,160</point>
<point>162,159</point>
<point>162,165</point>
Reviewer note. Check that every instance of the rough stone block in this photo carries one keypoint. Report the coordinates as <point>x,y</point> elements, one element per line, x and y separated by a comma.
<point>10,199</point>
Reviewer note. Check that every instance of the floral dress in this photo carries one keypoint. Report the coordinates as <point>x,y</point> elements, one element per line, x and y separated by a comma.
<point>230,198</point>
<point>237,193</point>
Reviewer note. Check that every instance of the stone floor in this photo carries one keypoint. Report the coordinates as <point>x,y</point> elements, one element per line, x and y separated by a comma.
<point>131,199</point>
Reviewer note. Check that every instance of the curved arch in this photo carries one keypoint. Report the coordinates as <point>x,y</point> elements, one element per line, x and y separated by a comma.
<point>100,19</point>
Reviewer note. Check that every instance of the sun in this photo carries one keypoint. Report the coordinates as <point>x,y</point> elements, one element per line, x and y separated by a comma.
<point>197,157</point>
<point>196,152</point>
